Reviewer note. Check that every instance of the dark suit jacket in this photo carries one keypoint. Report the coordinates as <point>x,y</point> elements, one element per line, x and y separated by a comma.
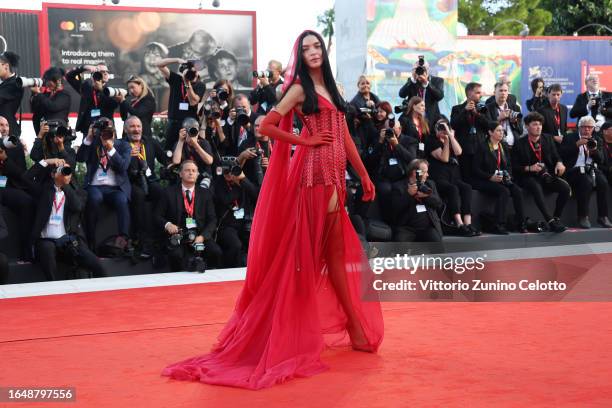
<point>172,209</point>
<point>10,99</point>
<point>13,172</point>
<point>579,109</point>
<point>68,154</point>
<point>43,190</point>
<point>484,164</point>
<point>403,202</point>
<point>144,109</point>
<point>434,93</point>
<point>119,162</point>
<point>107,105</point>
<point>517,128</point>
<point>522,155</point>
<point>266,94</point>
<point>569,151</point>
<point>535,104</point>
<point>550,126</point>
<point>47,106</point>
<point>461,123</point>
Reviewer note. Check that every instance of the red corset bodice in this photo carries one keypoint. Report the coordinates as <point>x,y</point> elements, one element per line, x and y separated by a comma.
<point>325,164</point>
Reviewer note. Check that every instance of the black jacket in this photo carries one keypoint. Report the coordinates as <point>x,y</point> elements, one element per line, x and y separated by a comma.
<point>49,106</point>
<point>569,151</point>
<point>10,99</point>
<point>462,121</point>
<point>43,190</point>
<point>517,127</point>
<point>484,164</point>
<point>536,103</point>
<point>37,153</point>
<point>154,151</point>
<point>434,93</point>
<point>523,155</point>
<point>403,203</point>
<point>579,109</point>
<point>107,105</point>
<point>266,94</point>
<point>144,109</point>
<point>226,196</point>
<point>171,208</point>
<point>550,125</point>
<point>359,101</point>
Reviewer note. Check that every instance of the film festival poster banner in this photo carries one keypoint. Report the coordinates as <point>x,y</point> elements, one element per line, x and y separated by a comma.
<point>130,40</point>
<point>19,33</point>
<point>567,62</point>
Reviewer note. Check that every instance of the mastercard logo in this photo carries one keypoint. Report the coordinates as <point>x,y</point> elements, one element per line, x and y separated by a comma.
<point>67,25</point>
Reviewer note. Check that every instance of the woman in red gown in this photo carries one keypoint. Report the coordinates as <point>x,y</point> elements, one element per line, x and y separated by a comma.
<point>308,282</point>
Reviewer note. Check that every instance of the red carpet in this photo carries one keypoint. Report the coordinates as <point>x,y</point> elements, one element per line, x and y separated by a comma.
<point>112,346</point>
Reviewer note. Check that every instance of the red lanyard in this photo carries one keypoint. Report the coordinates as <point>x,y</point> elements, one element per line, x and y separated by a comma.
<point>135,102</point>
<point>229,187</point>
<point>58,206</point>
<point>95,98</point>
<point>183,93</point>
<point>420,132</point>
<point>608,150</point>
<point>189,206</point>
<point>558,117</point>
<point>421,92</point>
<point>269,148</point>
<point>498,157</point>
<point>538,152</point>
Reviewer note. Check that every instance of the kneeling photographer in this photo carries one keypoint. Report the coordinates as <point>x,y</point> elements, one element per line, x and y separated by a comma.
<point>145,183</point>
<point>50,101</point>
<point>56,229</point>
<point>415,206</point>
<point>186,219</point>
<point>53,142</point>
<point>492,174</point>
<point>582,154</point>
<point>191,146</point>
<point>235,199</point>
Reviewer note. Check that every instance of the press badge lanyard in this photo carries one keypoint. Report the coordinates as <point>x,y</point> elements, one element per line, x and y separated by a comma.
<point>103,163</point>
<point>537,152</point>
<point>183,93</point>
<point>499,156</point>
<point>189,206</point>
<point>558,117</point>
<point>95,98</point>
<point>56,206</point>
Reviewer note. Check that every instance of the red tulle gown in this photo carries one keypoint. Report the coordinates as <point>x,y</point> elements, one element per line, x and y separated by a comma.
<point>289,308</point>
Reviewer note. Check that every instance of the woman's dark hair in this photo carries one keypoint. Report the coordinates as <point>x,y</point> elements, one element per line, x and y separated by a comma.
<point>386,106</point>
<point>535,82</point>
<point>311,102</point>
<point>491,126</point>
<point>53,74</point>
<point>9,57</point>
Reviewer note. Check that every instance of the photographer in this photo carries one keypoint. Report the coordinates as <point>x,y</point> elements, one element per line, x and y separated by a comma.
<point>107,159</point>
<point>53,142</point>
<point>186,214</point>
<point>186,91</point>
<point>364,98</point>
<point>221,95</point>
<point>13,187</point>
<point>190,146</point>
<point>582,154</point>
<point>470,121</point>
<point>537,166</point>
<point>50,102</point>
<point>538,100</point>
<point>415,206</point>
<point>264,94</point>
<point>235,199</point>
<point>144,181</point>
<point>507,113</point>
<point>140,103</point>
<point>555,115</point>
<point>10,92</point>
<point>443,150</point>
<point>94,103</point>
<point>254,156</point>
<point>606,168</point>
<point>211,130</point>
<point>492,174</point>
<point>415,129</point>
<point>511,99</point>
<point>591,101</point>
<point>429,88</point>
<point>56,230</point>
<point>239,125</point>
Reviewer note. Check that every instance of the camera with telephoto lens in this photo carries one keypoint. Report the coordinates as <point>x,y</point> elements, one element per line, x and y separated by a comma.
<point>103,129</point>
<point>391,124</point>
<point>192,126</point>
<point>506,178</point>
<point>57,128</point>
<point>262,74</point>
<point>421,186</point>
<point>420,69</point>
<point>230,165</point>
<point>183,236</point>
<point>544,174</point>
<point>112,92</point>
<point>24,82</point>
<point>64,170</point>
<point>591,144</point>
<point>137,172</point>
<point>222,94</point>
<point>401,108</point>
<point>170,174</point>
<point>516,115</point>
<point>242,118</point>
<point>481,108</point>
<point>197,263</point>
<point>189,66</point>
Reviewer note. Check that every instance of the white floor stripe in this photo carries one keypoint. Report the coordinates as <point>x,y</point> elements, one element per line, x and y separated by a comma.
<point>234,274</point>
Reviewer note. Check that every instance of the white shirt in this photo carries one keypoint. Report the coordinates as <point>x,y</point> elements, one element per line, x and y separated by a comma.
<point>188,189</point>
<point>582,159</point>
<point>509,138</point>
<point>55,226</point>
<point>99,179</point>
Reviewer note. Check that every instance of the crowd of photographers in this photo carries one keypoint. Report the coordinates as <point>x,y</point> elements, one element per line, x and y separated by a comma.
<point>203,182</point>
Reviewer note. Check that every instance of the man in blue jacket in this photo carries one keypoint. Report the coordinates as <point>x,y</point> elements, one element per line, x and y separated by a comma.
<point>107,179</point>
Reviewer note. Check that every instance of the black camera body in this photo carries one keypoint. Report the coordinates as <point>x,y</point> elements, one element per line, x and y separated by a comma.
<point>421,186</point>
<point>591,144</point>
<point>391,124</point>
<point>183,236</point>
<point>401,108</point>
<point>544,175</point>
<point>188,66</point>
<point>506,178</point>
<point>211,112</point>
<point>137,172</point>
<point>68,244</point>
<point>169,174</point>
<point>481,108</point>
<point>242,118</point>
<point>103,129</point>
<point>262,74</point>
<point>222,94</point>
<point>57,128</point>
<point>420,69</point>
<point>230,165</point>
